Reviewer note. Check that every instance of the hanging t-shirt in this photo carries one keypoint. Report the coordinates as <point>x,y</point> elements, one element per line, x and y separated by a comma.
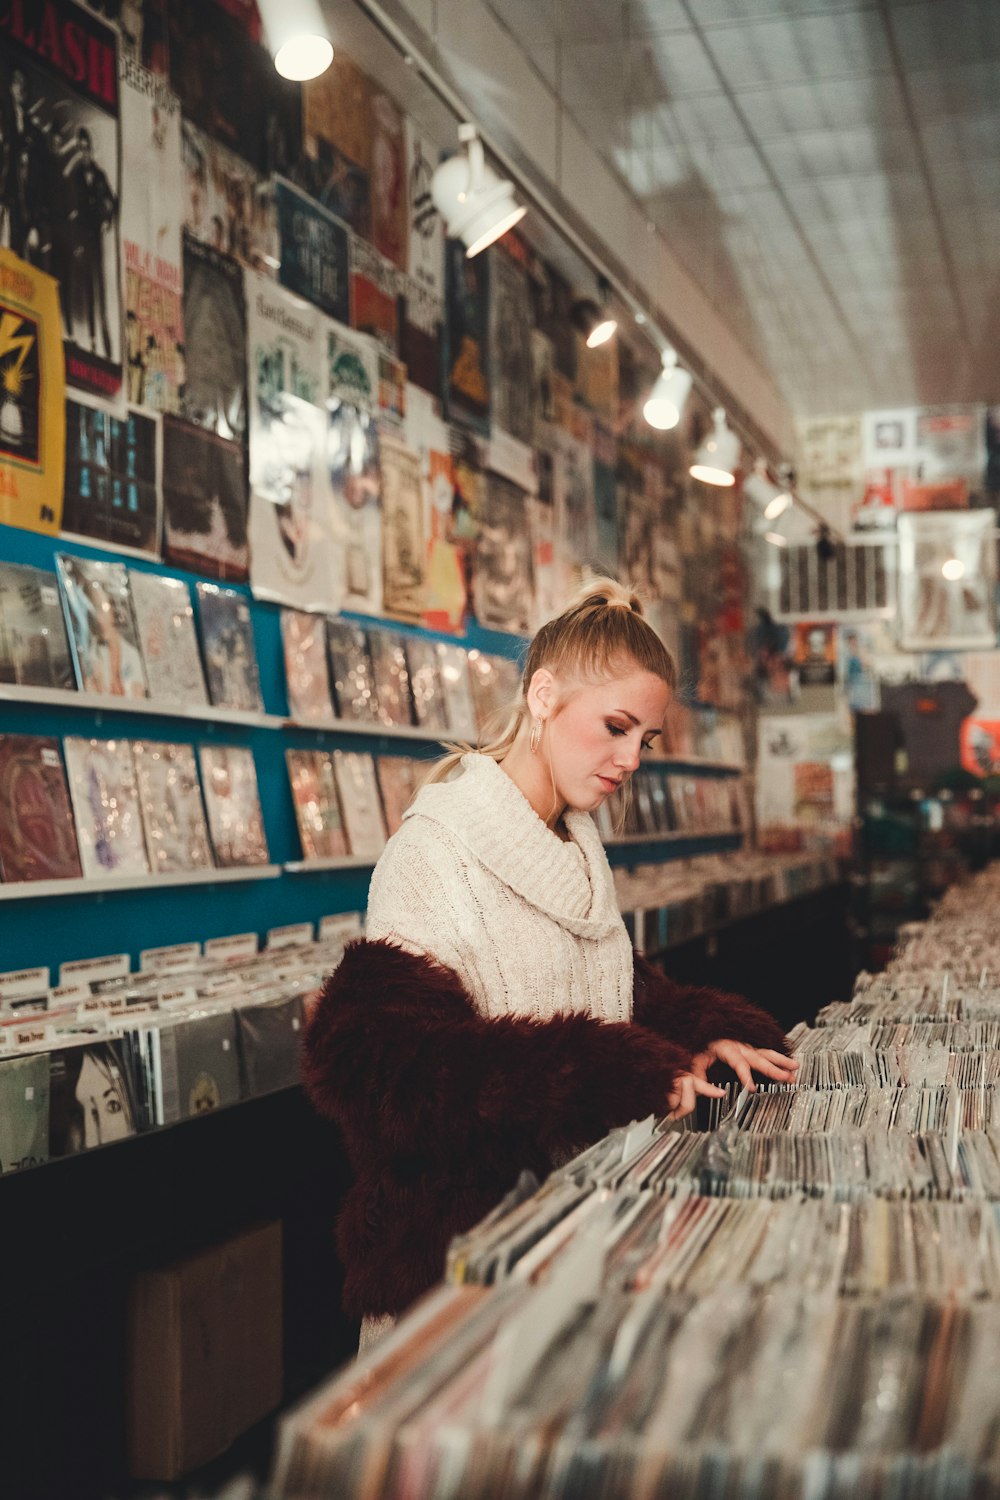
<point>930,716</point>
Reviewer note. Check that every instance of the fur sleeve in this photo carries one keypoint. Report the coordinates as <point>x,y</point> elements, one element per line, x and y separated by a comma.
<point>693,1017</point>
<point>396,1052</point>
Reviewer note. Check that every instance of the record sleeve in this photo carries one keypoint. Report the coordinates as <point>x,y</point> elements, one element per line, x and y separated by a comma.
<point>196,1064</point>
<point>165,621</point>
<point>430,710</point>
<point>235,820</point>
<point>92,1102</point>
<point>360,802</point>
<point>307,675</point>
<point>495,682</point>
<point>24,1112</point>
<point>33,648</point>
<point>454,664</point>
<point>37,837</point>
<point>351,672</point>
<point>106,654</point>
<point>172,813</point>
<point>228,649</point>
<point>106,807</point>
<point>397,780</point>
<point>270,1045</point>
<point>317,805</point>
<point>392,678</point>
<point>404,540</point>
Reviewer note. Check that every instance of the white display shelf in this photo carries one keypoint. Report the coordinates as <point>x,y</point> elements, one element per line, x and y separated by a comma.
<point>338,862</point>
<point>111,703</point>
<point>679,836</point>
<point>698,763</point>
<point>373,730</point>
<point>25,890</point>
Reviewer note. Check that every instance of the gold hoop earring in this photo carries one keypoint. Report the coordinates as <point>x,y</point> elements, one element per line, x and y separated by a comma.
<point>535,737</point>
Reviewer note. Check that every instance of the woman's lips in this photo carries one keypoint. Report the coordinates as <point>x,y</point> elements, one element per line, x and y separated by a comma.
<point>607,782</point>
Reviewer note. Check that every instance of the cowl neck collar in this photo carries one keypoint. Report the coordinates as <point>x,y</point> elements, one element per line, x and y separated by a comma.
<point>492,818</point>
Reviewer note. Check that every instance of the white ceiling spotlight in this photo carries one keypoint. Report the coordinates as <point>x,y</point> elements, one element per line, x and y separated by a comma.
<point>477,206</point>
<point>779,502</point>
<point>595,320</point>
<point>298,37</point>
<point>953,569</point>
<point>665,401</point>
<point>718,457</point>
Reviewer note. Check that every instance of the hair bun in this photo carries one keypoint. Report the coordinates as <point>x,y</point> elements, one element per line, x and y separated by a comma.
<point>609,593</point>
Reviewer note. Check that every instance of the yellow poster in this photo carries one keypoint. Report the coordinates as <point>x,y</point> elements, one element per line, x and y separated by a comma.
<point>32,397</point>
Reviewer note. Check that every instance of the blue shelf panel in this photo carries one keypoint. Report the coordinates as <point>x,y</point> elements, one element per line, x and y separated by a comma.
<point>659,851</point>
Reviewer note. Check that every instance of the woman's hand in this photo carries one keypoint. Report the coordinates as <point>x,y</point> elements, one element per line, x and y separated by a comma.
<point>687,1087</point>
<point>745,1061</point>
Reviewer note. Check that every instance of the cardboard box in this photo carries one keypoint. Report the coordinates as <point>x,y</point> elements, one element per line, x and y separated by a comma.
<point>204,1356</point>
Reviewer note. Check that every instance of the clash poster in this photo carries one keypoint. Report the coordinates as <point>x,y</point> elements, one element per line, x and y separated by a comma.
<point>404,543</point>
<point>215,386</point>
<point>60,193</point>
<point>510,344</point>
<point>315,253</point>
<point>152,211</point>
<point>293,550</point>
<point>425,225</point>
<point>113,492</point>
<point>467,338</point>
<point>32,398</point>
<point>227,203</point>
<point>204,502</point>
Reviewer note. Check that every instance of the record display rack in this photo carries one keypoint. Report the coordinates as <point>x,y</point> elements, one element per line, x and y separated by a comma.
<point>34,890</point>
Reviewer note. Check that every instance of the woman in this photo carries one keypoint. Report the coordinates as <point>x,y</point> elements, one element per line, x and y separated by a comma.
<point>495,1017</point>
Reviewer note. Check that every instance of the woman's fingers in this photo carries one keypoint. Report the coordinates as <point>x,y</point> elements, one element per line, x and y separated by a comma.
<point>708,1090</point>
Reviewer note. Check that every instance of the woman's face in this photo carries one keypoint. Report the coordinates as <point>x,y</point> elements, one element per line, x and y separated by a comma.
<point>594,738</point>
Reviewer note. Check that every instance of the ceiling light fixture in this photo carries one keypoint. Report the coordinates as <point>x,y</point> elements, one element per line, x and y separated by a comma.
<point>779,502</point>
<point>594,320</point>
<point>298,38</point>
<point>665,401</point>
<point>477,206</point>
<point>776,539</point>
<point>718,457</point>
<point>953,569</point>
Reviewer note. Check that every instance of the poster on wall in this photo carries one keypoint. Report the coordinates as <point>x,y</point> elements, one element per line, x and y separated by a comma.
<point>352,369</point>
<point>293,552</point>
<point>390,226</point>
<point>113,490</point>
<point>32,398</point>
<point>467,338</point>
<point>814,653</point>
<point>204,502</point>
<point>404,537</point>
<point>512,369</point>
<point>448,531</point>
<point>425,226</point>
<point>61,188</point>
<point>857,647</point>
<point>354,465</point>
<point>227,203</point>
<point>336,121</point>
<point>503,589</point>
<point>215,386</point>
<point>804,770</point>
<point>315,257</point>
<point>575,506</point>
<point>947,581</point>
<point>220,72</point>
<point>152,213</point>
<point>421,325</point>
<point>980,742</point>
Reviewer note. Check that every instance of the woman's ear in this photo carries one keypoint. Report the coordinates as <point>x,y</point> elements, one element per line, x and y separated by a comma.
<point>541,694</point>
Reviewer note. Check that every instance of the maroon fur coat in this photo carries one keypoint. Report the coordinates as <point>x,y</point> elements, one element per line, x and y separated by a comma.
<point>440,1109</point>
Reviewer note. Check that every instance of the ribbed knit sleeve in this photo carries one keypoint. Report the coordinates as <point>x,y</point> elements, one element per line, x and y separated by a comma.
<point>693,1016</point>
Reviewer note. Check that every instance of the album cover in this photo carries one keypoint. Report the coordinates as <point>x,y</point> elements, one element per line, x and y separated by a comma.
<point>196,1066</point>
<point>165,621</point>
<point>227,646</point>
<point>495,682</point>
<point>430,709</point>
<point>307,674</point>
<point>503,585</point>
<point>398,779</point>
<point>351,672</point>
<point>24,1112</point>
<point>391,677</point>
<point>106,807</point>
<point>404,540</point>
<point>172,813</point>
<point>270,1044</point>
<point>454,665</point>
<point>317,805</point>
<point>360,802</point>
<point>235,820</point>
<point>106,654</point>
<point>512,374</point>
<point>215,342</point>
<point>112,491</point>
<point>34,651</point>
<point>92,1102</point>
<point>354,468</point>
<point>37,837</point>
<point>205,502</point>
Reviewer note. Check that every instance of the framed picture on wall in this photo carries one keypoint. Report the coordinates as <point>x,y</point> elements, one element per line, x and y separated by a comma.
<point>947,581</point>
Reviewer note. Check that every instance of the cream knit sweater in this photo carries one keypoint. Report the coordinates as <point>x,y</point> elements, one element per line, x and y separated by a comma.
<point>476,880</point>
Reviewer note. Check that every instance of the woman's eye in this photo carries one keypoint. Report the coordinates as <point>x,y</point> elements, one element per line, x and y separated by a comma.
<point>615,729</point>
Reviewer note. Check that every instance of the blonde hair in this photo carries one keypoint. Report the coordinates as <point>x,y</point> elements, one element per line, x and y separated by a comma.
<point>602,629</point>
